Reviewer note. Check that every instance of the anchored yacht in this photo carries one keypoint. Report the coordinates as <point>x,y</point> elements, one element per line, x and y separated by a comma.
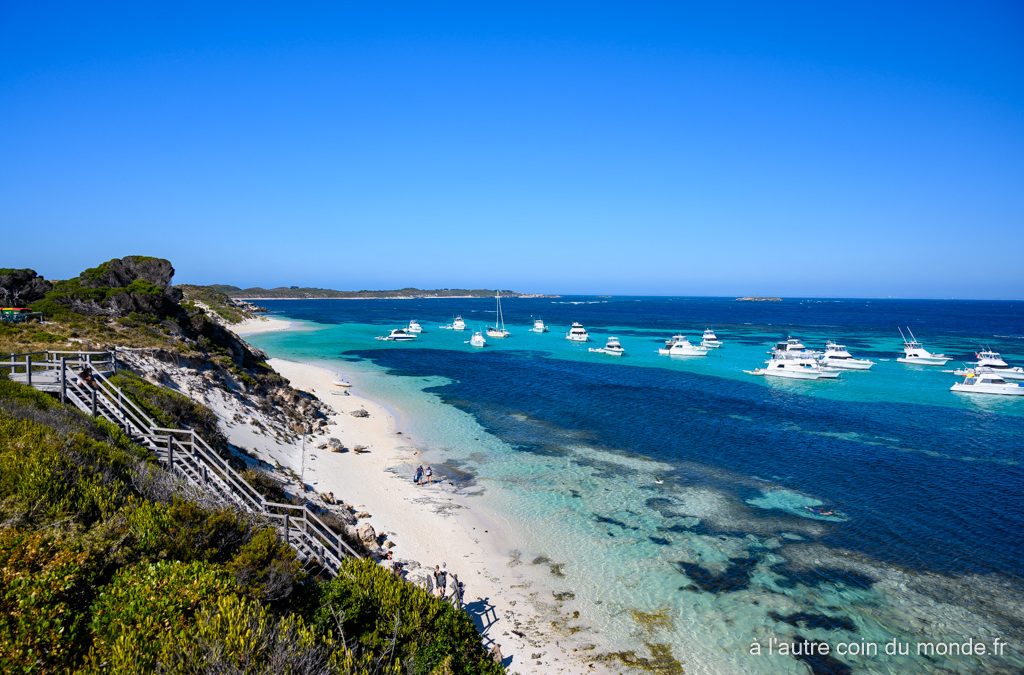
<point>456,324</point>
<point>837,356</point>
<point>710,340</point>
<point>577,333</point>
<point>397,335</point>
<point>612,347</point>
<point>987,383</point>
<point>680,346</point>
<point>915,353</point>
<point>538,326</point>
<point>991,362</point>
<point>414,327</point>
<point>498,330</point>
<point>477,340</point>
<point>791,346</point>
<point>792,368</point>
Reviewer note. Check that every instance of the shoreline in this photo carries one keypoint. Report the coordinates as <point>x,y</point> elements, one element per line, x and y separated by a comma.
<point>443,522</point>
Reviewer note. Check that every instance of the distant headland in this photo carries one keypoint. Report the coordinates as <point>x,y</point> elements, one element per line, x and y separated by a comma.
<point>757,298</point>
<point>305,293</point>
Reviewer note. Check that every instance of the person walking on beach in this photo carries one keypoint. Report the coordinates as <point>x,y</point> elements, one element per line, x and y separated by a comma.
<point>430,474</point>
<point>419,475</point>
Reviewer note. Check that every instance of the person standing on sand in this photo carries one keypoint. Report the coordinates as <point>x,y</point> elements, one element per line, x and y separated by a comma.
<point>430,474</point>
<point>419,475</point>
<point>458,591</point>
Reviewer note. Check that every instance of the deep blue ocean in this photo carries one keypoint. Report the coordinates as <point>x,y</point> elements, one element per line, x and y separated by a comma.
<point>924,482</point>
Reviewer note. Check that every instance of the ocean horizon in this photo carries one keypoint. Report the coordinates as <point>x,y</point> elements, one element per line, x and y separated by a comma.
<point>692,505</point>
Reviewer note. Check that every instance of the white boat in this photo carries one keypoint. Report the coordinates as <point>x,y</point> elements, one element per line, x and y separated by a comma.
<point>791,346</point>
<point>915,353</point>
<point>680,346</point>
<point>339,382</point>
<point>456,324</point>
<point>710,340</point>
<point>577,333</point>
<point>991,362</point>
<point>498,331</point>
<point>791,368</point>
<point>538,326</point>
<point>477,340</point>
<point>414,327</point>
<point>836,356</point>
<point>397,335</point>
<point>612,347</point>
<point>987,383</point>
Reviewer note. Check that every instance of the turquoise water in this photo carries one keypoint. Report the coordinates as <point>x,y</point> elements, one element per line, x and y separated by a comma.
<point>681,487</point>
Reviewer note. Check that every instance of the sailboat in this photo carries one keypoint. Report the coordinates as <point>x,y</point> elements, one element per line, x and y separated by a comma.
<point>498,331</point>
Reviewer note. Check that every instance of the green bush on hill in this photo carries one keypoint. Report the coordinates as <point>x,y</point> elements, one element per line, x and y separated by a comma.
<point>103,570</point>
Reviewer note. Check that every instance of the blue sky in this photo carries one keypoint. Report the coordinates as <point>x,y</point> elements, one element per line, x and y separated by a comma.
<point>836,149</point>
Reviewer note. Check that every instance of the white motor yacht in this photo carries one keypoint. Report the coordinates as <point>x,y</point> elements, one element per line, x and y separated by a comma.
<point>414,327</point>
<point>477,340</point>
<point>837,356</point>
<point>538,326</point>
<point>398,335</point>
<point>791,368</point>
<point>791,346</point>
<point>991,362</point>
<point>612,347</point>
<point>710,340</point>
<point>915,353</point>
<point>680,346</point>
<point>456,324</point>
<point>987,383</point>
<point>498,330</point>
<point>577,333</point>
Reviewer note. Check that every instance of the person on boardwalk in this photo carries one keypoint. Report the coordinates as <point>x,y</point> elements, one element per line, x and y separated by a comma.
<point>429,473</point>
<point>441,576</point>
<point>458,591</point>
<point>419,475</point>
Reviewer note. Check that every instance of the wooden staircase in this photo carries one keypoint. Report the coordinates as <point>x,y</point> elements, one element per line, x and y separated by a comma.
<point>183,452</point>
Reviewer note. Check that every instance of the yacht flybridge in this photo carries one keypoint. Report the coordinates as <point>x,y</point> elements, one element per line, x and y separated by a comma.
<point>915,353</point>
<point>397,335</point>
<point>987,383</point>
<point>680,346</point>
<point>612,347</point>
<point>498,330</point>
<point>710,340</point>
<point>577,333</point>
<point>791,346</point>
<point>456,324</point>
<point>837,356</point>
<point>538,326</point>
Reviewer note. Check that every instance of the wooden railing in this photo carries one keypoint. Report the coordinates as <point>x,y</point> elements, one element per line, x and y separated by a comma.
<point>181,451</point>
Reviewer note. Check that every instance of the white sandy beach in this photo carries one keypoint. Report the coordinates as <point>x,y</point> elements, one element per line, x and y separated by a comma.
<point>261,324</point>
<point>429,524</point>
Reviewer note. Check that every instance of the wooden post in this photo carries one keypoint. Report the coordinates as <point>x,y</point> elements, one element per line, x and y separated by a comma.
<point>63,380</point>
<point>94,411</point>
<point>28,369</point>
<point>286,527</point>
<point>170,453</point>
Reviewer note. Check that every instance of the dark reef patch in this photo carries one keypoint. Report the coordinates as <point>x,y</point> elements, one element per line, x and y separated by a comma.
<point>810,620</point>
<point>735,577</point>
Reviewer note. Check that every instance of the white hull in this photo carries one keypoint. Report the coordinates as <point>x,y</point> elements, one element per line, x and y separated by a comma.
<point>492,333</point>
<point>710,344</point>
<point>991,389</point>
<point>692,351</point>
<point>477,341</point>
<point>792,374</point>
<point>848,364</point>
<point>609,352</point>
<point>924,360</point>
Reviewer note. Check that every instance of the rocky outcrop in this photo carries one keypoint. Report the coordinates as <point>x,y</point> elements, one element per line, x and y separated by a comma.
<point>121,272</point>
<point>20,287</point>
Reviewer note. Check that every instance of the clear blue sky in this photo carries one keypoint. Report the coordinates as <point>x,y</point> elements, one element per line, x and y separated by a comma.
<point>819,148</point>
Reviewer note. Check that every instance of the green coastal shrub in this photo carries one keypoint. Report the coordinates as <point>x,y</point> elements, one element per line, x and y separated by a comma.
<point>371,607</point>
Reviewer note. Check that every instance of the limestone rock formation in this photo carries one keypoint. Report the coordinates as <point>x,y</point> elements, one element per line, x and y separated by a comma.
<point>20,287</point>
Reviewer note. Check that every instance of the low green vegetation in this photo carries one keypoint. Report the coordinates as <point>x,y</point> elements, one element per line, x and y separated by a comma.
<point>216,302</point>
<point>305,292</point>
<point>105,567</point>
